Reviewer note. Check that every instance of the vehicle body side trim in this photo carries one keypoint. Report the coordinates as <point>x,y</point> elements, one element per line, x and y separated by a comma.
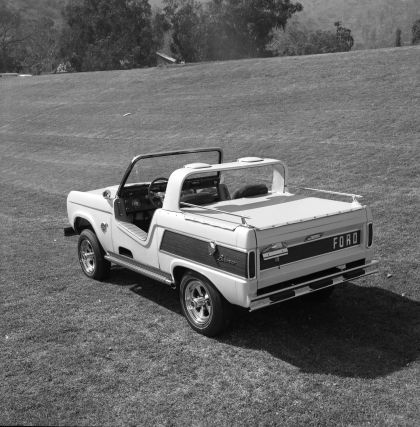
<point>146,270</point>
<point>91,207</point>
<point>225,259</point>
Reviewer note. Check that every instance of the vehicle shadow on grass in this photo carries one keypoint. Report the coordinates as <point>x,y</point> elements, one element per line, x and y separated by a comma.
<point>359,332</point>
<point>150,289</point>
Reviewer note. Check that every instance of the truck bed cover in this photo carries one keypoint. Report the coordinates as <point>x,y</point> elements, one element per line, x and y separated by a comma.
<point>270,211</point>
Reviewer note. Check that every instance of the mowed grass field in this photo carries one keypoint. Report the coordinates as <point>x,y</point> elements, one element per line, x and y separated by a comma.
<point>78,352</point>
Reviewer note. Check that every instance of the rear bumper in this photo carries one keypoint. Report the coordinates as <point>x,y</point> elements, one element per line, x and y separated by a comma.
<point>296,288</point>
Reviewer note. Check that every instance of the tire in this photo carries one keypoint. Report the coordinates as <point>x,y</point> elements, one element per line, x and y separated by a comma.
<point>203,306</point>
<point>91,256</point>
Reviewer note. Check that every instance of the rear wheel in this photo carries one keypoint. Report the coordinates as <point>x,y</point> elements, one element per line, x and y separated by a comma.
<point>91,256</point>
<point>202,304</point>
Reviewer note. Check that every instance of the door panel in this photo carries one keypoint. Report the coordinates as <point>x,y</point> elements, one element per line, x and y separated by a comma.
<point>128,237</point>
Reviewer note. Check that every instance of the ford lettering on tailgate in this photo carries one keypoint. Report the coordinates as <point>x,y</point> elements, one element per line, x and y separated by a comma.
<point>345,240</point>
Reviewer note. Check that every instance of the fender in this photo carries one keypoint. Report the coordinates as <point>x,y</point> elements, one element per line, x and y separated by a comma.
<point>77,207</point>
<point>231,287</point>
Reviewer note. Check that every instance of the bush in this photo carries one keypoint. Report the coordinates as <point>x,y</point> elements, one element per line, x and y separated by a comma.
<point>297,40</point>
<point>416,32</point>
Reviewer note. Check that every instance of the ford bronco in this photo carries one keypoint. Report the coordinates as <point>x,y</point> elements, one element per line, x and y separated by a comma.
<point>223,234</point>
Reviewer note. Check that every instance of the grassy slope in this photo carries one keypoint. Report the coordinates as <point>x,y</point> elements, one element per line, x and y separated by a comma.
<point>78,352</point>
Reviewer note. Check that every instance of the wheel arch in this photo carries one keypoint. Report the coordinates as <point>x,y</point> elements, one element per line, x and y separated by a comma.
<point>206,309</point>
<point>80,223</point>
<point>85,222</point>
<point>227,286</point>
<point>178,273</point>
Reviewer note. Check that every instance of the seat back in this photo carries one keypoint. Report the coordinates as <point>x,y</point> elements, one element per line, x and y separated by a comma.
<point>223,192</point>
<point>250,190</point>
<point>199,199</point>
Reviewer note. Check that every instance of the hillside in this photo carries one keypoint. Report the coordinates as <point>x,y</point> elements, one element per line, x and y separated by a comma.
<point>117,353</point>
<point>38,8</point>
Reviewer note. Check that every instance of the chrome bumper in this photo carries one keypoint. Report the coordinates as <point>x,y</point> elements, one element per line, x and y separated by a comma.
<point>310,286</point>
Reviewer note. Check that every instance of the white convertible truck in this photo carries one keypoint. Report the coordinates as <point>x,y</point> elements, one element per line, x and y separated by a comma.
<point>223,234</point>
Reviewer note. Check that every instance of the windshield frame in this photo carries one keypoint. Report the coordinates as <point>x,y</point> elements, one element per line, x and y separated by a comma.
<point>165,154</point>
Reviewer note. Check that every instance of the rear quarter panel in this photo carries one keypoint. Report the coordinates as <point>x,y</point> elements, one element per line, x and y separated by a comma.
<point>191,253</point>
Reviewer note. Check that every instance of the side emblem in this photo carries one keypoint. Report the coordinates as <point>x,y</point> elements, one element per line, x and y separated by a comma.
<point>212,248</point>
<point>275,251</point>
<point>104,226</point>
<point>213,251</point>
<point>222,258</point>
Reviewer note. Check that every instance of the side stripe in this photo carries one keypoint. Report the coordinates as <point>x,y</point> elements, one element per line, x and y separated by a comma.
<point>225,259</point>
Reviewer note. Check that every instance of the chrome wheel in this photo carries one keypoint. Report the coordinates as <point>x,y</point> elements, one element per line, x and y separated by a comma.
<point>202,304</point>
<point>198,302</point>
<point>92,256</point>
<point>87,256</point>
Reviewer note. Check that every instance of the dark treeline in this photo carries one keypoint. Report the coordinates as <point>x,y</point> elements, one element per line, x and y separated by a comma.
<point>373,23</point>
<point>300,41</point>
<point>224,29</point>
<point>107,34</point>
<point>27,44</point>
<point>122,34</point>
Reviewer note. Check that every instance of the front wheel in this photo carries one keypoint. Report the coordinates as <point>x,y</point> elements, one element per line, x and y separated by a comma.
<point>203,306</point>
<point>91,256</point>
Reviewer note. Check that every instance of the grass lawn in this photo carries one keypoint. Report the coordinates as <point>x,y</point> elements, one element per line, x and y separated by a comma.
<point>78,352</point>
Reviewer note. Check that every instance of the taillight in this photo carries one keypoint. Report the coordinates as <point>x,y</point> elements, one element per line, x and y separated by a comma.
<point>370,235</point>
<point>251,264</point>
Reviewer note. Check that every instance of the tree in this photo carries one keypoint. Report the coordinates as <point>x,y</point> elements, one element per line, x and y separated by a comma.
<point>160,28</point>
<point>187,23</point>
<point>345,40</point>
<point>416,32</point>
<point>28,45</point>
<point>248,24</point>
<point>398,38</point>
<point>297,39</point>
<point>11,37</point>
<point>225,29</point>
<point>40,50</point>
<point>108,34</point>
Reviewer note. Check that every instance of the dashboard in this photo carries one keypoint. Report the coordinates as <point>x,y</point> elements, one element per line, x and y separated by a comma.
<point>136,198</point>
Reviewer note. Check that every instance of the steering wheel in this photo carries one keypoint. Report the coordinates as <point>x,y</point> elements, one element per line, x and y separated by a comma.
<point>155,199</point>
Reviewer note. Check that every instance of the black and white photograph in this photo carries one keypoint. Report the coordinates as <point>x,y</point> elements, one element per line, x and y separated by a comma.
<point>210,212</point>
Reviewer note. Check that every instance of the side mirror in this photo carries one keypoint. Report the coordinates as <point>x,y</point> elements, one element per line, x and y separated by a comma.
<point>107,194</point>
